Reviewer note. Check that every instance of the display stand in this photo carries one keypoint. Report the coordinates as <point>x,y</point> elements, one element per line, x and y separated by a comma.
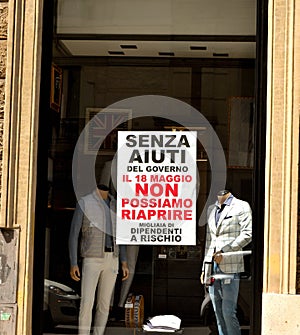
<point>134,311</point>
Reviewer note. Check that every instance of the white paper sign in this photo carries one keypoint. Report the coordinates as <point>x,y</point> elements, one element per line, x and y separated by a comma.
<point>156,200</point>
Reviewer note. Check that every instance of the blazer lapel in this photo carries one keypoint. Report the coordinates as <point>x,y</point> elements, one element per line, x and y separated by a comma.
<point>212,220</point>
<point>223,215</point>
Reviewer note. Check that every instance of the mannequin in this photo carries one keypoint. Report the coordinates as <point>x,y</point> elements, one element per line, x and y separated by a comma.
<point>109,174</point>
<point>229,229</point>
<point>94,217</point>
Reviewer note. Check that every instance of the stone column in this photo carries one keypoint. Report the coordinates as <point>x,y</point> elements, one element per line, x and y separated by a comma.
<point>20,140</point>
<point>3,49</point>
<point>280,304</point>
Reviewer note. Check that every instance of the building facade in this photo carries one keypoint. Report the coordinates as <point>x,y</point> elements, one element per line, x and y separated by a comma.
<point>21,64</point>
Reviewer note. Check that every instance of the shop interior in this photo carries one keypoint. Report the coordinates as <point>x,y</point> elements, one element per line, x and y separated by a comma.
<point>102,53</point>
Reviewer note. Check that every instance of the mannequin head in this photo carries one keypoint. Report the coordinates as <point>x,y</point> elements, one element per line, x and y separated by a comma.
<point>223,195</point>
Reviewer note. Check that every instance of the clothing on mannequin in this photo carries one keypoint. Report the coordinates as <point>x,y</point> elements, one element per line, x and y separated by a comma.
<point>95,218</point>
<point>228,229</point>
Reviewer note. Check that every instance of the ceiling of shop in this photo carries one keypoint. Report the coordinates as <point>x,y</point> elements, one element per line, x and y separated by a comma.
<point>172,28</point>
<point>119,48</point>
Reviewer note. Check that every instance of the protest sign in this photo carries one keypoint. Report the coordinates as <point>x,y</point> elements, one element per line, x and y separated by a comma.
<point>156,182</point>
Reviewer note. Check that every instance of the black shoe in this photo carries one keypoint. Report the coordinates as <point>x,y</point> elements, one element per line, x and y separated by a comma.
<point>112,315</point>
<point>120,313</point>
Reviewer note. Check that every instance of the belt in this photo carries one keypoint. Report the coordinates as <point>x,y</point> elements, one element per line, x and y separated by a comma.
<point>109,249</point>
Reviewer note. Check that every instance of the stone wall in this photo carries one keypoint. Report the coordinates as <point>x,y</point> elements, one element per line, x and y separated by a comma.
<point>3,57</point>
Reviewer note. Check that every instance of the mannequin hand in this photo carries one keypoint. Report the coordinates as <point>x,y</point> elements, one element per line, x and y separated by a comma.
<point>202,278</point>
<point>125,271</point>
<point>218,257</point>
<point>75,273</point>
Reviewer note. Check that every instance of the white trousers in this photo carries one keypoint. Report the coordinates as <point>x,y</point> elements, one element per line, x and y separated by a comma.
<point>98,276</point>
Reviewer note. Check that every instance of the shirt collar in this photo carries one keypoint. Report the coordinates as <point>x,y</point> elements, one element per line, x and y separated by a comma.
<point>227,202</point>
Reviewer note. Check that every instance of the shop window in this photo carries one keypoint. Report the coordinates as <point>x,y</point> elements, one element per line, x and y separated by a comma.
<point>208,64</point>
